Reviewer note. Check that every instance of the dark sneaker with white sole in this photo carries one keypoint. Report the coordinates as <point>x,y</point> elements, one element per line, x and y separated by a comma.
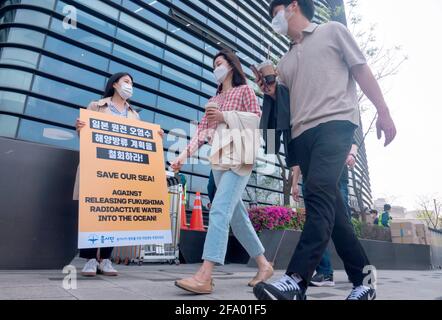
<point>362,293</point>
<point>321,280</point>
<point>284,289</point>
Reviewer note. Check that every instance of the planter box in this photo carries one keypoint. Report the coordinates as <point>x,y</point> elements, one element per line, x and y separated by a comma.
<point>192,246</point>
<point>280,246</point>
<point>373,232</point>
<point>38,218</point>
<point>236,252</point>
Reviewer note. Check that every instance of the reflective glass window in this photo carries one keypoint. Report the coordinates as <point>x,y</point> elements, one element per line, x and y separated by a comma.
<point>11,101</point>
<point>8,126</point>
<point>63,91</point>
<point>51,111</point>
<point>71,72</point>
<point>15,79</point>
<point>47,134</point>
<point>19,57</point>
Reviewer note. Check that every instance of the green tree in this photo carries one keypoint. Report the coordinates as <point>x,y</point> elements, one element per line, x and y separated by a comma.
<point>430,210</point>
<point>385,63</point>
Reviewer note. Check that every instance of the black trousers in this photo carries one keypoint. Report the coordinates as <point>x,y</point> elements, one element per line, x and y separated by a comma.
<point>105,253</point>
<point>321,153</point>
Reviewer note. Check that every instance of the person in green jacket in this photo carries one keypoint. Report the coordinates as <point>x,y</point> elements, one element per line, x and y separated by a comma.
<point>385,218</point>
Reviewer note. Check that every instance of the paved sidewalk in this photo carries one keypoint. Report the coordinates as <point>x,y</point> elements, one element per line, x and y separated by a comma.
<point>156,282</point>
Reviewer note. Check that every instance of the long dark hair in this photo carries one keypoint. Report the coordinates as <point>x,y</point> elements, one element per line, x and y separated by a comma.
<point>109,90</point>
<point>239,78</point>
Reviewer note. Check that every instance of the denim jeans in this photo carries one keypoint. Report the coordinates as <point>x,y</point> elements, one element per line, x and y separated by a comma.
<point>229,209</point>
<point>211,187</point>
<point>343,188</point>
<point>325,266</point>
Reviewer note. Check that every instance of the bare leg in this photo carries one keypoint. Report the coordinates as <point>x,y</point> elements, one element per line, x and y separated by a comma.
<point>204,273</point>
<point>265,271</point>
<point>263,263</point>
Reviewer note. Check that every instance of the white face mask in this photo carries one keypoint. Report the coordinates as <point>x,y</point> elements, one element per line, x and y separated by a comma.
<point>221,73</point>
<point>280,23</point>
<point>125,91</point>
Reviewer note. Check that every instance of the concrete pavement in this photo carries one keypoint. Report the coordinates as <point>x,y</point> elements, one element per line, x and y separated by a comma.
<point>156,282</point>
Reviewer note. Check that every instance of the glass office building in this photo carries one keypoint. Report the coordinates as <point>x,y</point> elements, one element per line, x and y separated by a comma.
<point>55,57</point>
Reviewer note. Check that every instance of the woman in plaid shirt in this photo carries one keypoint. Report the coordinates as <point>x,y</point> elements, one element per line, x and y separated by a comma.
<point>227,208</point>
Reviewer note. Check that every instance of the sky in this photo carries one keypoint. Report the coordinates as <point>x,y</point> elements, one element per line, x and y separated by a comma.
<point>411,167</point>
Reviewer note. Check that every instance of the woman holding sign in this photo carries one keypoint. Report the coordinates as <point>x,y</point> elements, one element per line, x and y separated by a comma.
<point>235,106</point>
<point>118,91</point>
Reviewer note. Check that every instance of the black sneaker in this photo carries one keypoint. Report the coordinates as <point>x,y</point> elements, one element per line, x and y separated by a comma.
<point>320,280</point>
<point>284,289</point>
<point>362,293</point>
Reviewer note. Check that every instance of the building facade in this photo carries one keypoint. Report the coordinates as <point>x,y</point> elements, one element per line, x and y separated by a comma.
<point>55,57</point>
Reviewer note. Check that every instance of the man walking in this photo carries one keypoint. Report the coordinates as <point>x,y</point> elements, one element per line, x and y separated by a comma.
<point>321,71</point>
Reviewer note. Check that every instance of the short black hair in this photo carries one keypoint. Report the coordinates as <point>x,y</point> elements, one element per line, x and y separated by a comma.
<point>307,7</point>
<point>387,207</point>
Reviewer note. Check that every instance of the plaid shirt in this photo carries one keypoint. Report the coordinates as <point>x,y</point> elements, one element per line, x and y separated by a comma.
<point>241,98</point>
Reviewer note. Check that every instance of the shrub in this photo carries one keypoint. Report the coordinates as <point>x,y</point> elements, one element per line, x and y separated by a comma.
<point>357,225</point>
<point>276,218</point>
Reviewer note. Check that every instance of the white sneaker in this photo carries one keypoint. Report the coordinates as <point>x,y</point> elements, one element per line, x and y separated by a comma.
<point>90,268</point>
<point>106,268</point>
<point>362,293</point>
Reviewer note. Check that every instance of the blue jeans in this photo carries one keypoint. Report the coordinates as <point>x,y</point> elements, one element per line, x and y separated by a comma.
<point>229,209</point>
<point>211,187</point>
<point>325,266</point>
<point>343,188</point>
